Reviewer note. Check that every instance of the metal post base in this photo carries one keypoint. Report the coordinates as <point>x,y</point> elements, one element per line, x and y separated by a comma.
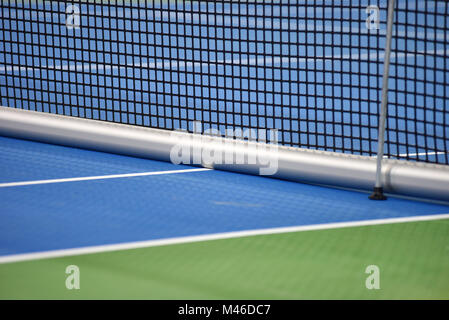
<point>378,194</point>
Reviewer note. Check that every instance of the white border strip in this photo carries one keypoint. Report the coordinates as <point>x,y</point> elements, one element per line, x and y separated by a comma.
<point>209,237</point>
<point>112,176</point>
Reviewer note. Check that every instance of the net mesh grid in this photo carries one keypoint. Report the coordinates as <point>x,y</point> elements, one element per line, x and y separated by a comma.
<point>310,69</point>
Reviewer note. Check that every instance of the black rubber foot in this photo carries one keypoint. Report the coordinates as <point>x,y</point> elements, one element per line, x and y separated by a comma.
<point>378,194</point>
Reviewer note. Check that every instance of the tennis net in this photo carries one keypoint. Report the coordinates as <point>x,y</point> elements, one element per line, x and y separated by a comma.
<point>310,69</point>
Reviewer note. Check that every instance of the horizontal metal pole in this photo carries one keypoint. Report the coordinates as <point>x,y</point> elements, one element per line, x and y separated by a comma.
<point>309,166</point>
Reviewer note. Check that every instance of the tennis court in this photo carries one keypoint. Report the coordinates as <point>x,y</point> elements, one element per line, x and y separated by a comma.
<point>146,229</point>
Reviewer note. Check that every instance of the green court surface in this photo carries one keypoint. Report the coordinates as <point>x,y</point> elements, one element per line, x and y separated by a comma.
<point>413,260</point>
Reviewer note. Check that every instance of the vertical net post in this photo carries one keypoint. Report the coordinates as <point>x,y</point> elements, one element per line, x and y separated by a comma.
<point>378,187</point>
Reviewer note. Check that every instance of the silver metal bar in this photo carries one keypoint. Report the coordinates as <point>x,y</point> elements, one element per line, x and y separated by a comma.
<point>309,166</point>
<point>378,187</point>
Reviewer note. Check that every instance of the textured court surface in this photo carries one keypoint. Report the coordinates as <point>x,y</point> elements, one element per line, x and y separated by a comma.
<point>413,257</point>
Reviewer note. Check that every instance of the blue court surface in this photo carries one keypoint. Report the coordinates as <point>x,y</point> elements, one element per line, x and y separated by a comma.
<point>73,214</point>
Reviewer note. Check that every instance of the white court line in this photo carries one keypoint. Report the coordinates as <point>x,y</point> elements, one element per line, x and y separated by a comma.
<point>112,176</point>
<point>209,237</point>
<point>417,154</point>
<point>180,65</point>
